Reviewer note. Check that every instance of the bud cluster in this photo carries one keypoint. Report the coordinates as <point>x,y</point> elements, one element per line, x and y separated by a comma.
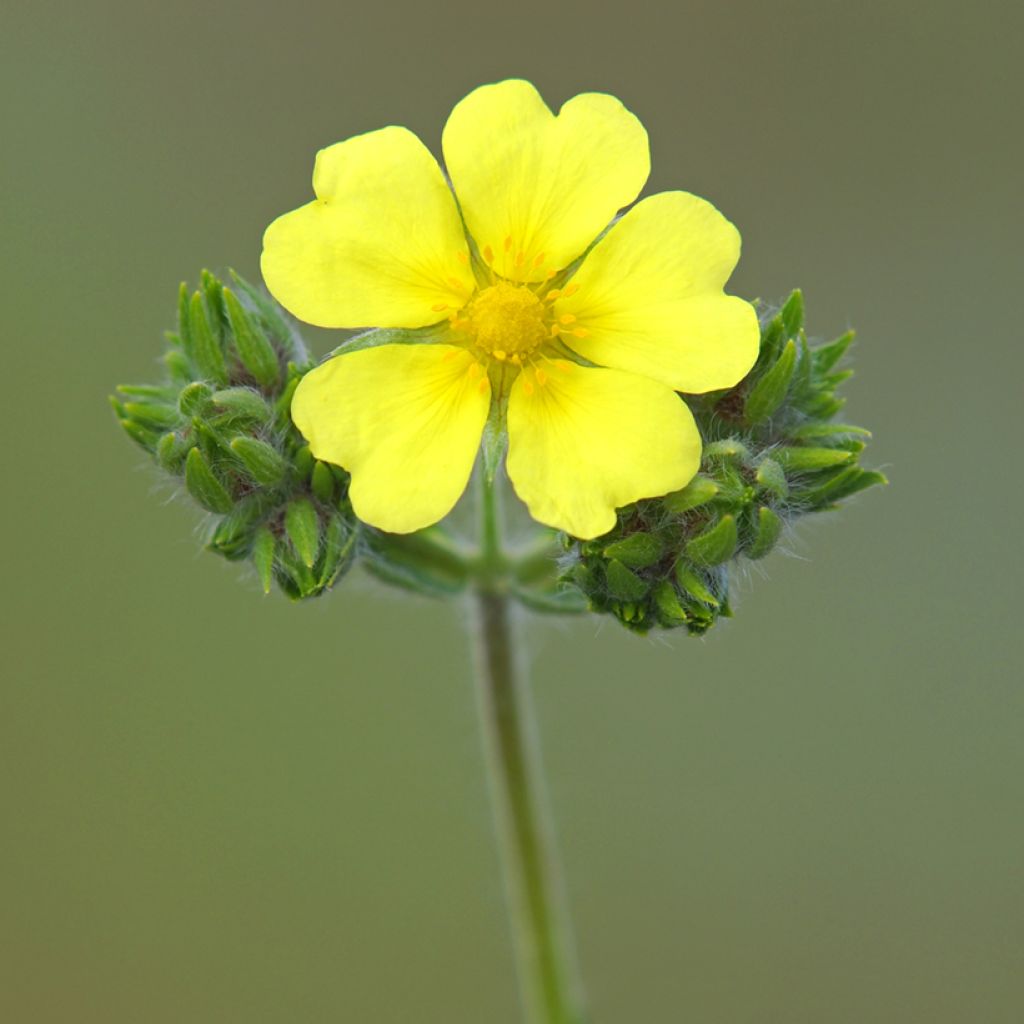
<point>772,453</point>
<point>221,423</point>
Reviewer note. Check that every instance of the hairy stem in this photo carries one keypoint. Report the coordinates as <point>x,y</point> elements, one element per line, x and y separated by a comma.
<point>548,979</point>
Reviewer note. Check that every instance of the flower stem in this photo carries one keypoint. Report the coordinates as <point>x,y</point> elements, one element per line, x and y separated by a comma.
<point>547,972</point>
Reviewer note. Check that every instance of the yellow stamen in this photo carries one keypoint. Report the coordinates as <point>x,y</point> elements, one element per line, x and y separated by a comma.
<point>553,272</point>
<point>488,254</point>
<point>499,355</point>
<point>520,258</point>
<point>567,318</point>
<point>474,370</point>
<point>542,377</point>
<point>455,284</point>
<point>570,290</point>
<point>508,243</point>
<point>483,386</point>
<point>555,330</point>
<point>439,307</point>
<point>538,260</point>
<point>580,332</point>
<point>552,295</point>
<point>462,257</point>
<point>527,387</point>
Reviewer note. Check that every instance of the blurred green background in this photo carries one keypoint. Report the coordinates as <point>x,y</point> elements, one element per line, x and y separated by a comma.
<point>219,808</point>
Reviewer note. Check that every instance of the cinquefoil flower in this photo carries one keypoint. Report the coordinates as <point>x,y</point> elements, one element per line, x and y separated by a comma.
<point>581,360</point>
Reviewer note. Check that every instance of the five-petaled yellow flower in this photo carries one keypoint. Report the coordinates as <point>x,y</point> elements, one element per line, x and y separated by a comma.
<point>583,359</point>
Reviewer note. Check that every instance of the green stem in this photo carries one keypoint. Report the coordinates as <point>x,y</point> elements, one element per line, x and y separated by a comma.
<point>540,921</point>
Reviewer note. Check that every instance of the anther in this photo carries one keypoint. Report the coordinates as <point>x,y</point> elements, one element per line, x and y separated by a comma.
<point>456,284</point>
<point>570,290</point>
<point>555,330</point>
<point>567,318</point>
<point>439,307</point>
<point>462,257</point>
<point>542,377</point>
<point>488,254</point>
<point>508,242</point>
<point>538,260</point>
<point>499,355</point>
<point>552,295</point>
<point>483,386</point>
<point>520,258</point>
<point>527,387</point>
<point>580,332</point>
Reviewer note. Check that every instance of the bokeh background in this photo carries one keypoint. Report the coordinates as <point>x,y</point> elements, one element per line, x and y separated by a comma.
<point>219,808</point>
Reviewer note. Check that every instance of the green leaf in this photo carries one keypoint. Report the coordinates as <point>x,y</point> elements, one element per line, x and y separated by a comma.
<point>767,527</point>
<point>716,545</point>
<point>263,548</point>
<point>699,491</point>
<point>254,348</point>
<point>792,313</point>
<point>303,528</point>
<point>203,485</point>
<point>770,391</point>
<point>262,462</point>
<point>623,583</point>
<point>206,350</point>
<point>637,551</point>
<point>808,460</point>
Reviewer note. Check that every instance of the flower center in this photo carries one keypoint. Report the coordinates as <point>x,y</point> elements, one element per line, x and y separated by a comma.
<point>506,321</point>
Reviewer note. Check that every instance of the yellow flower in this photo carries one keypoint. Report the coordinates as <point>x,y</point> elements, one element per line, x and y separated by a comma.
<point>582,360</point>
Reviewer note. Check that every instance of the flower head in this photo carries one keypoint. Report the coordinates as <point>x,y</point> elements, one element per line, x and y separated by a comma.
<point>581,358</point>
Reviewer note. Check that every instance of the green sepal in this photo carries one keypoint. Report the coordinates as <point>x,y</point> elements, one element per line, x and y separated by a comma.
<point>693,585</point>
<point>293,576</point>
<point>716,545</point>
<point>637,551</point>
<point>152,414</point>
<point>829,431</point>
<point>303,462</point>
<point>667,605</point>
<point>792,312</point>
<point>214,300</point>
<point>159,392</point>
<point>771,477</point>
<point>194,399</point>
<point>302,525</point>
<point>140,434</point>
<point>729,449</point>
<point>203,485</point>
<point>826,356</point>
<point>184,330</point>
<point>339,551</point>
<point>171,451</point>
<point>770,391</point>
<point>810,460</point>
<point>271,318</point>
<point>415,562</point>
<point>263,547</point>
<point>206,350</point>
<point>178,367</point>
<point>767,527</point>
<point>233,536</point>
<point>242,404</point>
<point>322,482</point>
<point>842,484</point>
<point>699,491</point>
<point>262,462</point>
<point>254,349</point>
<point>623,583</point>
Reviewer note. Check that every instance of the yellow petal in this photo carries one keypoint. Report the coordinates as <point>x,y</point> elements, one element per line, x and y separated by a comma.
<point>584,441</point>
<point>404,420</point>
<point>649,297</point>
<point>536,189</point>
<point>379,247</point>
